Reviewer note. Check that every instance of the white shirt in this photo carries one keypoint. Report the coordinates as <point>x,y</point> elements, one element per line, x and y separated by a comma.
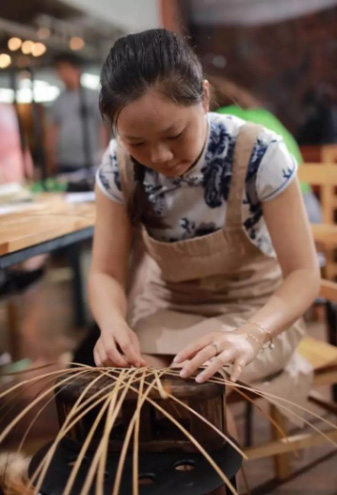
<point>195,204</point>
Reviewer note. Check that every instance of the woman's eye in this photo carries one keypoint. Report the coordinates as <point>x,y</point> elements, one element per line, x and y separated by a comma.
<point>136,144</point>
<point>176,136</point>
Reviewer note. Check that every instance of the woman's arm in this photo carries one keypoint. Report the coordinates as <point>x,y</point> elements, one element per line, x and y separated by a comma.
<point>291,236</point>
<point>118,344</point>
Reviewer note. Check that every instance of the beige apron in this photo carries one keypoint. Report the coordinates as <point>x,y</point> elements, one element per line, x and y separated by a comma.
<point>216,282</point>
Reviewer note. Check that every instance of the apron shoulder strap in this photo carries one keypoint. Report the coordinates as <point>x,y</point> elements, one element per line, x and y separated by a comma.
<point>245,143</point>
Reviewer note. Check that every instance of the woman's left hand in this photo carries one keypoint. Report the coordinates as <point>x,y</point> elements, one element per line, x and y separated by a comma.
<point>238,347</point>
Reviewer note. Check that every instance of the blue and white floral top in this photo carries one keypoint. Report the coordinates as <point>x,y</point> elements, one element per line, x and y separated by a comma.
<point>195,204</point>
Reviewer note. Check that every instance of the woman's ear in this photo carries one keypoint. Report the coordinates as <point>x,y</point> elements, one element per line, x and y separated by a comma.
<point>206,95</point>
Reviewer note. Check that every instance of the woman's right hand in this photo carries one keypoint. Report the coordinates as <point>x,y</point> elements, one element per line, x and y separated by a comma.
<point>119,348</point>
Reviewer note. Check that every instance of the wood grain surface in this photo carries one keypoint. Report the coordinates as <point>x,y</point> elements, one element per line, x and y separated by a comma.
<point>48,217</point>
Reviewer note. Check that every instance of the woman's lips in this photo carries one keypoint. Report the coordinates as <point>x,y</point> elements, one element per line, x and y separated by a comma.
<point>173,168</point>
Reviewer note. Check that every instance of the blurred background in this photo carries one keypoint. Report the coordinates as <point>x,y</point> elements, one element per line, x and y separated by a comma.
<point>282,52</point>
<point>272,62</point>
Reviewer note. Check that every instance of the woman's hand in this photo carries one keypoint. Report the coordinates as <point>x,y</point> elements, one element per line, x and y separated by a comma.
<point>118,347</point>
<point>238,347</point>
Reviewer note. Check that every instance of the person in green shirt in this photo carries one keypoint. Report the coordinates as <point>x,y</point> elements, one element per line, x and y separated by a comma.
<point>229,98</point>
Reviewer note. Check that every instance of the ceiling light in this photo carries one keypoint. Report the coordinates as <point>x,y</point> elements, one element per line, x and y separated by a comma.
<point>27,47</point>
<point>6,95</point>
<point>38,49</point>
<point>5,60</point>
<point>76,43</point>
<point>45,94</point>
<point>14,44</point>
<point>90,81</point>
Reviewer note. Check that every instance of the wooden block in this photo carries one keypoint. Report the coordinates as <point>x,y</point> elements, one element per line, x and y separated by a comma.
<point>319,354</point>
<point>318,174</point>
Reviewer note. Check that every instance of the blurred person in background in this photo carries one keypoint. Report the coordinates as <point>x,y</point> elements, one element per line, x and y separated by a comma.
<point>231,99</point>
<point>16,167</point>
<point>75,134</point>
<point>15,162</point>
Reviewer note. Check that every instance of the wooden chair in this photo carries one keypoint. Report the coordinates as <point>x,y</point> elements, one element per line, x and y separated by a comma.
<point>323,358</point>
<point>319,153</point>
<point>321,355</point>
<point>329,153</point>
<point>324,175</point>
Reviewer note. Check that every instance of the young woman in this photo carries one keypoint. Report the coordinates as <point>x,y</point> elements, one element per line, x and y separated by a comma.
<point>230,264</point>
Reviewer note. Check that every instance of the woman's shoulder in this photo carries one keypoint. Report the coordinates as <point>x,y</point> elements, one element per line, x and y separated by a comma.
<point>223,133</point>
<point>228,126</point>
<point>223,124</point>
<point>270,169</point>
<point>107,176</point>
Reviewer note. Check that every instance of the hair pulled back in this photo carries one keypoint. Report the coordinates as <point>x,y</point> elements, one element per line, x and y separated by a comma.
<point>158,59</point>
<point>154,58</point>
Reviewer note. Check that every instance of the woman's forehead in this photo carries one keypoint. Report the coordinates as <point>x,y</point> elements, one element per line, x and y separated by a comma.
<point>151,113</point>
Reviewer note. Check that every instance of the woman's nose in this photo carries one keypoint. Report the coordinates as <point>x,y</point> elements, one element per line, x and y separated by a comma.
<point>161,154</point>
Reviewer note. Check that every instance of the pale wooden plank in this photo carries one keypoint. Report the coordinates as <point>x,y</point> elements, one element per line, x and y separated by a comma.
<point>289,444</point>
<point>57,218</point>
<point>282,465</point>
<point>329,153</point>
<point>325,233</point>
<point>328,290</point>
<point>318,174</point>
<point>319,354</point>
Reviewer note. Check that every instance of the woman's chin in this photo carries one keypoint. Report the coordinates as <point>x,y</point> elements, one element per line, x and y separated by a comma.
<point>176,171</point>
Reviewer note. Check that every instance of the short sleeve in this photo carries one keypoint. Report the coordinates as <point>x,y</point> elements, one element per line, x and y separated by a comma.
<point>107,175</point>
<point>93,97</point>
<point>277,168</point>
<point>54,112</point>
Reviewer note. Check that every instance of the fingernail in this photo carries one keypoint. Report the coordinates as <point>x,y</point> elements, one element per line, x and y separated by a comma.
<point>200,378</point>
<point>176,359</point>
<point>183,373</point>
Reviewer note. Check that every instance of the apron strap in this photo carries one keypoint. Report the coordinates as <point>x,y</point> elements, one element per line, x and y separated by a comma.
<point>245,143</point>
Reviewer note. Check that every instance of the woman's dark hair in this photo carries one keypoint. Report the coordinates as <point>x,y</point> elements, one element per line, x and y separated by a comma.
<point>154,58</point>
<point>158,59</point>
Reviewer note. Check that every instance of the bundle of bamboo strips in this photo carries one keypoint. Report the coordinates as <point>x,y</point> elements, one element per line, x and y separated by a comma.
<point>117,383</point>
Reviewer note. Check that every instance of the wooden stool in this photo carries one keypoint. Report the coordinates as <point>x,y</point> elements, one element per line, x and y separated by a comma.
<point>168,462</point>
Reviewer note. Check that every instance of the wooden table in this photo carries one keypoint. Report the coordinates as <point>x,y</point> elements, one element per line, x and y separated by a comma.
<point>47,224</point>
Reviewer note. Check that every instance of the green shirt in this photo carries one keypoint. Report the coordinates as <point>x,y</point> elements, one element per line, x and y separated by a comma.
<point>268,120</point>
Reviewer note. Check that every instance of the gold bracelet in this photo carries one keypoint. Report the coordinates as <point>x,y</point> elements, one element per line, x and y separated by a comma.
<point>255,339</point>
<point>271,344</point>
<point>248,336</point>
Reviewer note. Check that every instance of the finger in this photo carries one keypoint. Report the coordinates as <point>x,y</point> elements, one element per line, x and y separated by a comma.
<point>239,364</point>
<point>99,354</point>
<point>190,351</point>
<point>136,346</point>
<point>198,360</point>
<point>129,351</point>
<point>104,359</point>
<point>97,358</point>
<point>225,357</point>
<point>113,354</point>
